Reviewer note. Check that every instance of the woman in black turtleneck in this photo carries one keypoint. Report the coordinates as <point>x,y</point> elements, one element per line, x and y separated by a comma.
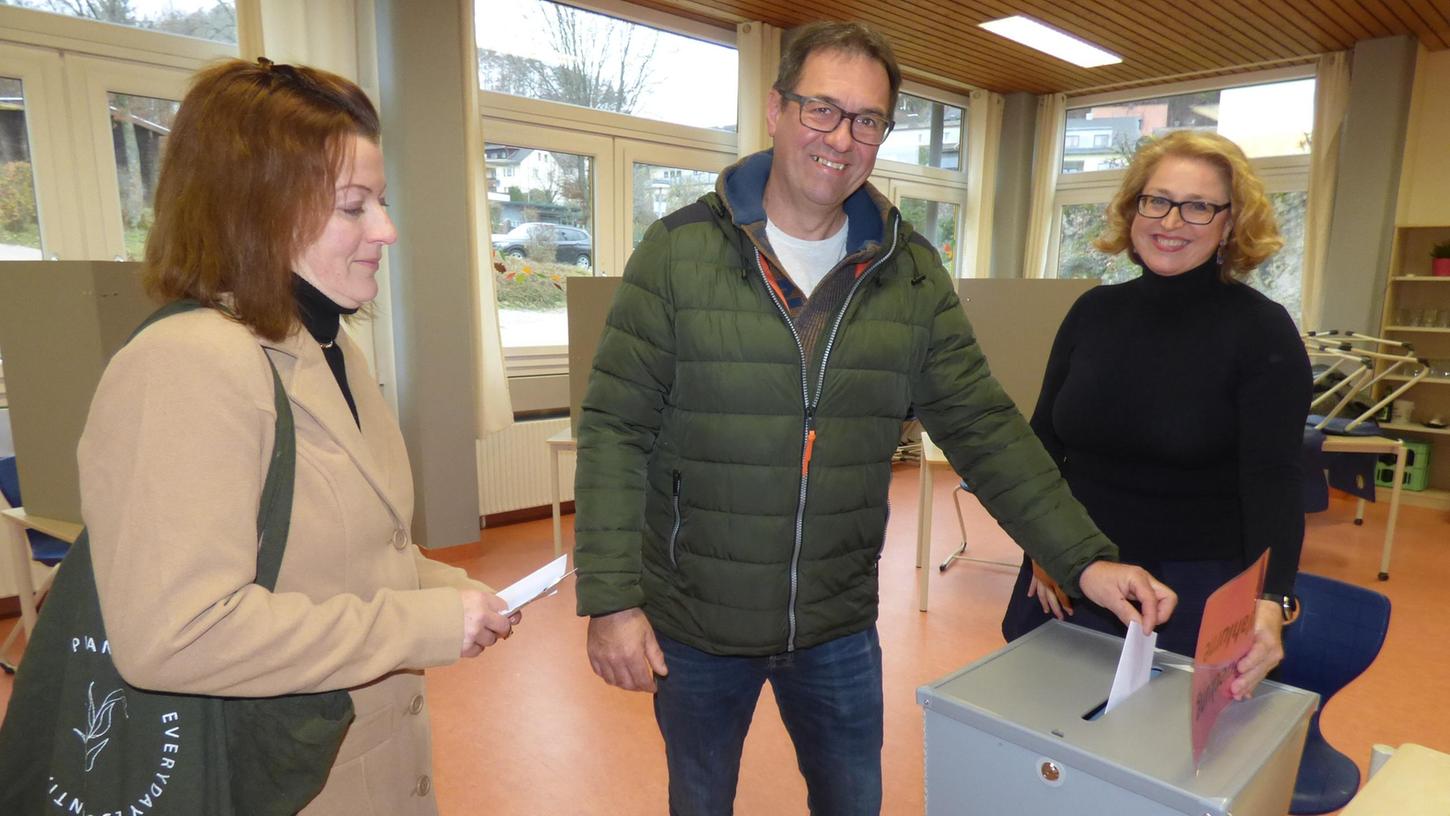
<point>1174,402</point>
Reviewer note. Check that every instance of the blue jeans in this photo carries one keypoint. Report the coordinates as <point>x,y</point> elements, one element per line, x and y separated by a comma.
<point>830,701</point>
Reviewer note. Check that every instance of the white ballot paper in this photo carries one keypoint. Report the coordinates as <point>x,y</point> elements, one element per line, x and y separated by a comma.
<point>537,584</point>
<point>1134,667</point>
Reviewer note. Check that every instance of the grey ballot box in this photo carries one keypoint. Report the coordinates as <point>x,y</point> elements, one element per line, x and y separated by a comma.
<point>1008,735</point>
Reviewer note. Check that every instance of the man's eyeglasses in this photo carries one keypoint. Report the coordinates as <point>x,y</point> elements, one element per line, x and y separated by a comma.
<point>1192,212</point>
<point>820,115</point>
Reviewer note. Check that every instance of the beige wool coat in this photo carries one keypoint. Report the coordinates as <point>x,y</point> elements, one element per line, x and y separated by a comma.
<point>172,462</point>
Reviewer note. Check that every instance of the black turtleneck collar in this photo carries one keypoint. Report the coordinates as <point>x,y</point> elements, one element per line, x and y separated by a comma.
<point>319,314</point>
<point>323,320</point>
<point>1204,273</point>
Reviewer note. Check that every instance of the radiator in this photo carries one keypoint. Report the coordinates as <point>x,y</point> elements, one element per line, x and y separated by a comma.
<point>513,467</point>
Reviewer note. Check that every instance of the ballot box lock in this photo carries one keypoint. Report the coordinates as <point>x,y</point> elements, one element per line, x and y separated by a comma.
<point>1050,771</point>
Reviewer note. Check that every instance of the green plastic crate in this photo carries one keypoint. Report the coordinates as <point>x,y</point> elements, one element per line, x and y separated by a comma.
<point>1417,467</point>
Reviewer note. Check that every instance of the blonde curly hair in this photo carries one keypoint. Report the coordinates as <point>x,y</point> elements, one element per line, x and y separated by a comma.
<point>1254,234</point>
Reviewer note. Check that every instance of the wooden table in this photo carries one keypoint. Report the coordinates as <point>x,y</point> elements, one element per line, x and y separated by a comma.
<point>1377,445</point>
<point>20,558</point>
<point>1414,782</point>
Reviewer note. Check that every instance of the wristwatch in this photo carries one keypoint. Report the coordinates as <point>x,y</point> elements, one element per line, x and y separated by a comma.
<point>1288,604</point>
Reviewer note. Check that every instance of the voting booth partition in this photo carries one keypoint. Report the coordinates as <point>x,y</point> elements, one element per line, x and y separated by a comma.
<point>60,322</point>
<point>1021,731</point>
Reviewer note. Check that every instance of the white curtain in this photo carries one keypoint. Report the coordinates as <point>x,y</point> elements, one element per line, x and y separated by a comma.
<point>494,408</point>
<point>758,46</point>
<point>1331,100</point>
<point>1046,167</point>
<point>985,112</point>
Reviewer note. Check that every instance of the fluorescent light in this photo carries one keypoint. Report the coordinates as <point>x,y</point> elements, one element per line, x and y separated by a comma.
<point>1050,41</point>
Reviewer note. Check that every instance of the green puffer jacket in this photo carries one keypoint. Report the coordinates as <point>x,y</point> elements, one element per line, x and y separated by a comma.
<point>734,451</point>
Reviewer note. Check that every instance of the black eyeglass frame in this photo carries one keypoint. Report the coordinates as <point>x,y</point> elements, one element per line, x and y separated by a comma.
<point>1178,205</point>
<point>844,114</point>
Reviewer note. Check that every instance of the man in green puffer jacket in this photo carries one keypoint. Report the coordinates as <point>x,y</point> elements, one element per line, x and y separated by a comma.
<point>736,438</point>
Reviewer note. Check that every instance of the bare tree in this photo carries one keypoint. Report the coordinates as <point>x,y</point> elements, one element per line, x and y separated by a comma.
<point>604,63</point>
<point>216,22</point>
<point>110,11</point>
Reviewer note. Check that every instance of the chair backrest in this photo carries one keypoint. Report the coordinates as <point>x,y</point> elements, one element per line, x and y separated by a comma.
<point>1340,630</point>
<point>43,548</point>
<point>10,481</point>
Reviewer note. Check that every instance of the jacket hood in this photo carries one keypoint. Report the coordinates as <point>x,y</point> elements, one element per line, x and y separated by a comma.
<point>742,188</point>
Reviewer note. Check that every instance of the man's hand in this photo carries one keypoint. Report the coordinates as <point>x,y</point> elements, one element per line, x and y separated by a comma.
<point>1048,593</point>
<point>1265,654</point>
<point>1112,586</point>
<point>623,650</point>
<point>484,623</point>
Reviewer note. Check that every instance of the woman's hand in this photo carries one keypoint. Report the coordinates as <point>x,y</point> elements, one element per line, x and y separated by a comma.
<point>484,623</point>
<point>1048,593</point>
<point>1265,654</point>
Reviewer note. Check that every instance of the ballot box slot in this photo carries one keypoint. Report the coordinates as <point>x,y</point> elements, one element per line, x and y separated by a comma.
<point>1101,708</point>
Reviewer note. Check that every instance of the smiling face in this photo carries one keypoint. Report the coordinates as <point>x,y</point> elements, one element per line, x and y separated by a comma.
<point>342,262</point>
<point>1169,245</point>
<point>813,173</point>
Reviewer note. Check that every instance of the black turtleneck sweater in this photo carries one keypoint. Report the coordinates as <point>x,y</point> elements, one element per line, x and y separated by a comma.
<point>1175,408</point>
<point>323,320</point>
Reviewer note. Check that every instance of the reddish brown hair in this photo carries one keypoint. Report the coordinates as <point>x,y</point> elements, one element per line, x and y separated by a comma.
<point>247,183</point>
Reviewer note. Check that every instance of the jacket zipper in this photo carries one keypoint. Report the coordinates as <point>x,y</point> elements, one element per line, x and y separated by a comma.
<point>675,530</point>
<point>808,430</point>
<point>807,439</point>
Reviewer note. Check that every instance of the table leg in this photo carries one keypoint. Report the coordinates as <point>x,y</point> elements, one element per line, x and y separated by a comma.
<point>923,532</point>
<point>1401,454</point>
<point>554,498</point>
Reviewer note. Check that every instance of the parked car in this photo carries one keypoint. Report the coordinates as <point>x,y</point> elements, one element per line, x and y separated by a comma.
<point>561,244</point>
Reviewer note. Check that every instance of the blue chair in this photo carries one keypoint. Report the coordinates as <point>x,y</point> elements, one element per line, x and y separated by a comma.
<point>1338,634</point>
<point>33,545</point>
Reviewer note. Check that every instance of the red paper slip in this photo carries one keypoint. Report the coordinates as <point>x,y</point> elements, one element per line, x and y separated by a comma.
<point>1226,634</point>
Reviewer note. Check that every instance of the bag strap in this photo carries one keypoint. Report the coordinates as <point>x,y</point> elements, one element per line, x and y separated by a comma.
<point>274,517</point>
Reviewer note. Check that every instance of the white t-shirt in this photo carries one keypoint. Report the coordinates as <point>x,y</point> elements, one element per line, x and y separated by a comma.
<point>807,262</point>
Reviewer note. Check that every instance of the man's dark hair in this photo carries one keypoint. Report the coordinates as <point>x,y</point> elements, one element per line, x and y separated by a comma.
<point>857,39</point>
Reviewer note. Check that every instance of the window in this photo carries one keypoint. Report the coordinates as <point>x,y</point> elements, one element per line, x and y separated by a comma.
<point>922,166</point>
<point>89,106</point>
<point>549,51</point>
<point>535,247</point>
<point>937,222</point>
<point>596,126</point>
<point>927,133</point>
<point>1265,119</point>
<point>206,19</point>
<point>19,218</point>
<point>662,190</point>
<point>140,126</point>
<point>1271,120</point>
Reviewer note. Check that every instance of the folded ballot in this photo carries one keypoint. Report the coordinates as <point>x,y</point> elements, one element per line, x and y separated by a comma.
<point>540,583</point>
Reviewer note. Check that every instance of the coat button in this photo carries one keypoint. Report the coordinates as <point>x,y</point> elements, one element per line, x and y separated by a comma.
<point>424,785</point>
<point>416,706</point>
<point>400,539</point>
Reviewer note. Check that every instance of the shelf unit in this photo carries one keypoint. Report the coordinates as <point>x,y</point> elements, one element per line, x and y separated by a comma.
<point>1411,287</point>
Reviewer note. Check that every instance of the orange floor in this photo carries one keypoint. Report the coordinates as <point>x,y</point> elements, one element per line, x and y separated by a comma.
<point>528,729</point>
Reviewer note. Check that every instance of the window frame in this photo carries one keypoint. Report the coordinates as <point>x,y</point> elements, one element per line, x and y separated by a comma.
<point>614,140</point>
<point>896,179</point>
<point>67,66</point>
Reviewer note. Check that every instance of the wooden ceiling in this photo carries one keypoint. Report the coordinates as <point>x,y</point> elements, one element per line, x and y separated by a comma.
<point>1158,39</point>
